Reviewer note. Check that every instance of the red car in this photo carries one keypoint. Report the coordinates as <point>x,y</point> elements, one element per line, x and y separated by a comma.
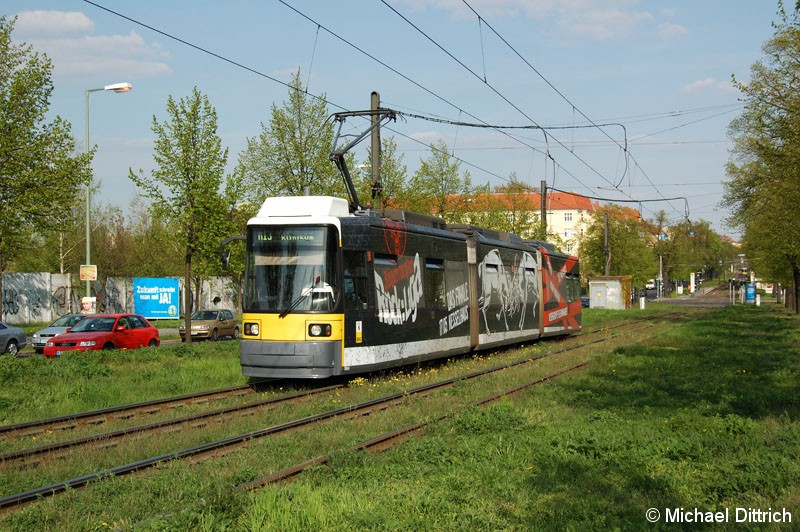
<point>104,331</point>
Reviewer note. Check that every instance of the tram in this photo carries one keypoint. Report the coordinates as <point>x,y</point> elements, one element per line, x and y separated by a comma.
<point>329,291</point>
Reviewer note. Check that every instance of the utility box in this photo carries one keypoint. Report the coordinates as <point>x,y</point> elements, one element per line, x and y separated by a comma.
<point>612,292</point>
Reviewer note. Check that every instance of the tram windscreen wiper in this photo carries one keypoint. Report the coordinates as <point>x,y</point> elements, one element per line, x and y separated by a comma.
<point>304,294</point>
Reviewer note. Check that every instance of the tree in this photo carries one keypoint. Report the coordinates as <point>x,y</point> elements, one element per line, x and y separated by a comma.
<point>510,207</point>
<point>292,153</point>
<point>629,253</point>
<point>438,188</point>
<point>150,230</point>
<point>519,209</point>
<point>394,187</point>
<point>41,176</point>
<point>764,167</point>
<point>186,183</point>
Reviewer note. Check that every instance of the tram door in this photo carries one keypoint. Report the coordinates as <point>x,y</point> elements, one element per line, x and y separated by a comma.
<point>356,296</point>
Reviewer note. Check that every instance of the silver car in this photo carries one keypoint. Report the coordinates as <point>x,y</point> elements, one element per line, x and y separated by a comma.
<point>59,326</point>
<point>12,339</point>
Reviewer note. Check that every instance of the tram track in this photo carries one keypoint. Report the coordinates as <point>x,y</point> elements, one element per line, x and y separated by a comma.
<point>31,456</point>
<point>388,439</point>
<point>98,417</point>
<point>148,408</point>
<point>226,445</point>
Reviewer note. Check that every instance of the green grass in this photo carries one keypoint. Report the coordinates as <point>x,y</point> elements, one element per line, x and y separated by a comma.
<point>36,387</point>
<point>706,418</point>
<point>703,416</point>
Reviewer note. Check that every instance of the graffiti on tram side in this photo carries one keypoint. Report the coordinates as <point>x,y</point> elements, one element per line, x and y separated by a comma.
<point>457,309</point>
<point>395,237</point>
<point>398,302</point>
<point>507,290</point>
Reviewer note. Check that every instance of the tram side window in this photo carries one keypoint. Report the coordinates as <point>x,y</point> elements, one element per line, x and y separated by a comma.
<point>573,287</point>
<point>434,283</point>
<point>355,280</point>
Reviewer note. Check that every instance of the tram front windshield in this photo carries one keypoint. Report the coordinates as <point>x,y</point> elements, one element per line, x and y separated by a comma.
<point>291,269</point>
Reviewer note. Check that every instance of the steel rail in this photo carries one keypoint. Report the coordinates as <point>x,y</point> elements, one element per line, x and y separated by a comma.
<point>70,421</point>
<point>33,455</point>
<point>20,499</point>
<point>388,439</point>
<point>25,456</point>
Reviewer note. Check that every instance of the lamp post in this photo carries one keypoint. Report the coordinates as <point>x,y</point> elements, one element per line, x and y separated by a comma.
<point>115,87</point>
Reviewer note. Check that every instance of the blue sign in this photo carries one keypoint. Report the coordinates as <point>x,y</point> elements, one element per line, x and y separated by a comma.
<point>155,298</point>
<point>750,293</point>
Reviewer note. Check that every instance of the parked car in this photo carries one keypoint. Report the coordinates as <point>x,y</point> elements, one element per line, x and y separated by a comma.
<point>12,339</point>
<point>585,301</point>
<point>211,324</point>
<point>60,326</point>
<point>104,331</point>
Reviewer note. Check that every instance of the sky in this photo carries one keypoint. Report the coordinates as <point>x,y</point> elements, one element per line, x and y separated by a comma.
<point>621,99</point>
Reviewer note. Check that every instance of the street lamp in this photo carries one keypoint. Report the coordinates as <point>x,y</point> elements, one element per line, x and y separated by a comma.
<point>115,87</point>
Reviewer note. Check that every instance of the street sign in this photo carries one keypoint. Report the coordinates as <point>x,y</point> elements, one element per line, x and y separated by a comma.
<point>88,272</point>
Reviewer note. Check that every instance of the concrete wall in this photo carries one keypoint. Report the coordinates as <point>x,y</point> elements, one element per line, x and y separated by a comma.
<point>42,297</point>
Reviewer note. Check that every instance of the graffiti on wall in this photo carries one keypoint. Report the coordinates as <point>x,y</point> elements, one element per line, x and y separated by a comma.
<point>42,297</point>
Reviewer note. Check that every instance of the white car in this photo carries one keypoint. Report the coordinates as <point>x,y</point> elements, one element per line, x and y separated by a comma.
<point>59,326</point>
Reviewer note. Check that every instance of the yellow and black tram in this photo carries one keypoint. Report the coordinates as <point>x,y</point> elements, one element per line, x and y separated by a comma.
<point>330,292</point>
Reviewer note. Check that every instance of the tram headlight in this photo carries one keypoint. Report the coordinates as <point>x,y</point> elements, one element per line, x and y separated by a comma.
<point>251,329</point>
<point>319,329</point>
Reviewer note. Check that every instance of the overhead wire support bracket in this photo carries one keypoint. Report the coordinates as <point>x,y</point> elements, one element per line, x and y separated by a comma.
<point>338,152</point>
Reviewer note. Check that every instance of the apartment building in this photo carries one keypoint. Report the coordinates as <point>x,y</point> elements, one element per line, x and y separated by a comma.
<point>568,214</point>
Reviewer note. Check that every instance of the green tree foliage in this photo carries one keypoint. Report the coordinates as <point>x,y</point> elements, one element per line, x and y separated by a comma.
<point>238,214</point>
<point>698,249</point>
<point>143,232</point>
<point>687,247</point>
<point>663,249</point>
<point>629,252</point>
<point>438,187</point>
<point>394,186</point>
<point>186,184</point>
<point>764,168</point>
<point>518,210</point>
<point>292,152</point>
<point>41,176</point>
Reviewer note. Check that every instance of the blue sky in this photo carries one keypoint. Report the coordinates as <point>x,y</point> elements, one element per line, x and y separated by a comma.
<point>658,72</point>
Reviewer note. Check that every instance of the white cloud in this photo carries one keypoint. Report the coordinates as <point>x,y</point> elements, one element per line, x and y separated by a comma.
<point>603,23</point>
<point>426,137</point>
<point>708,85</point>
<point>51,24</point>
<point>596,19</point>
<point>67,39</point>
<point>670,30</point>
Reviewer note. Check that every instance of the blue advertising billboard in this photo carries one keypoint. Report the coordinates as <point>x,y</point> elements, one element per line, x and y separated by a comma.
<point>155,298</point>
<point>750,294</point>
